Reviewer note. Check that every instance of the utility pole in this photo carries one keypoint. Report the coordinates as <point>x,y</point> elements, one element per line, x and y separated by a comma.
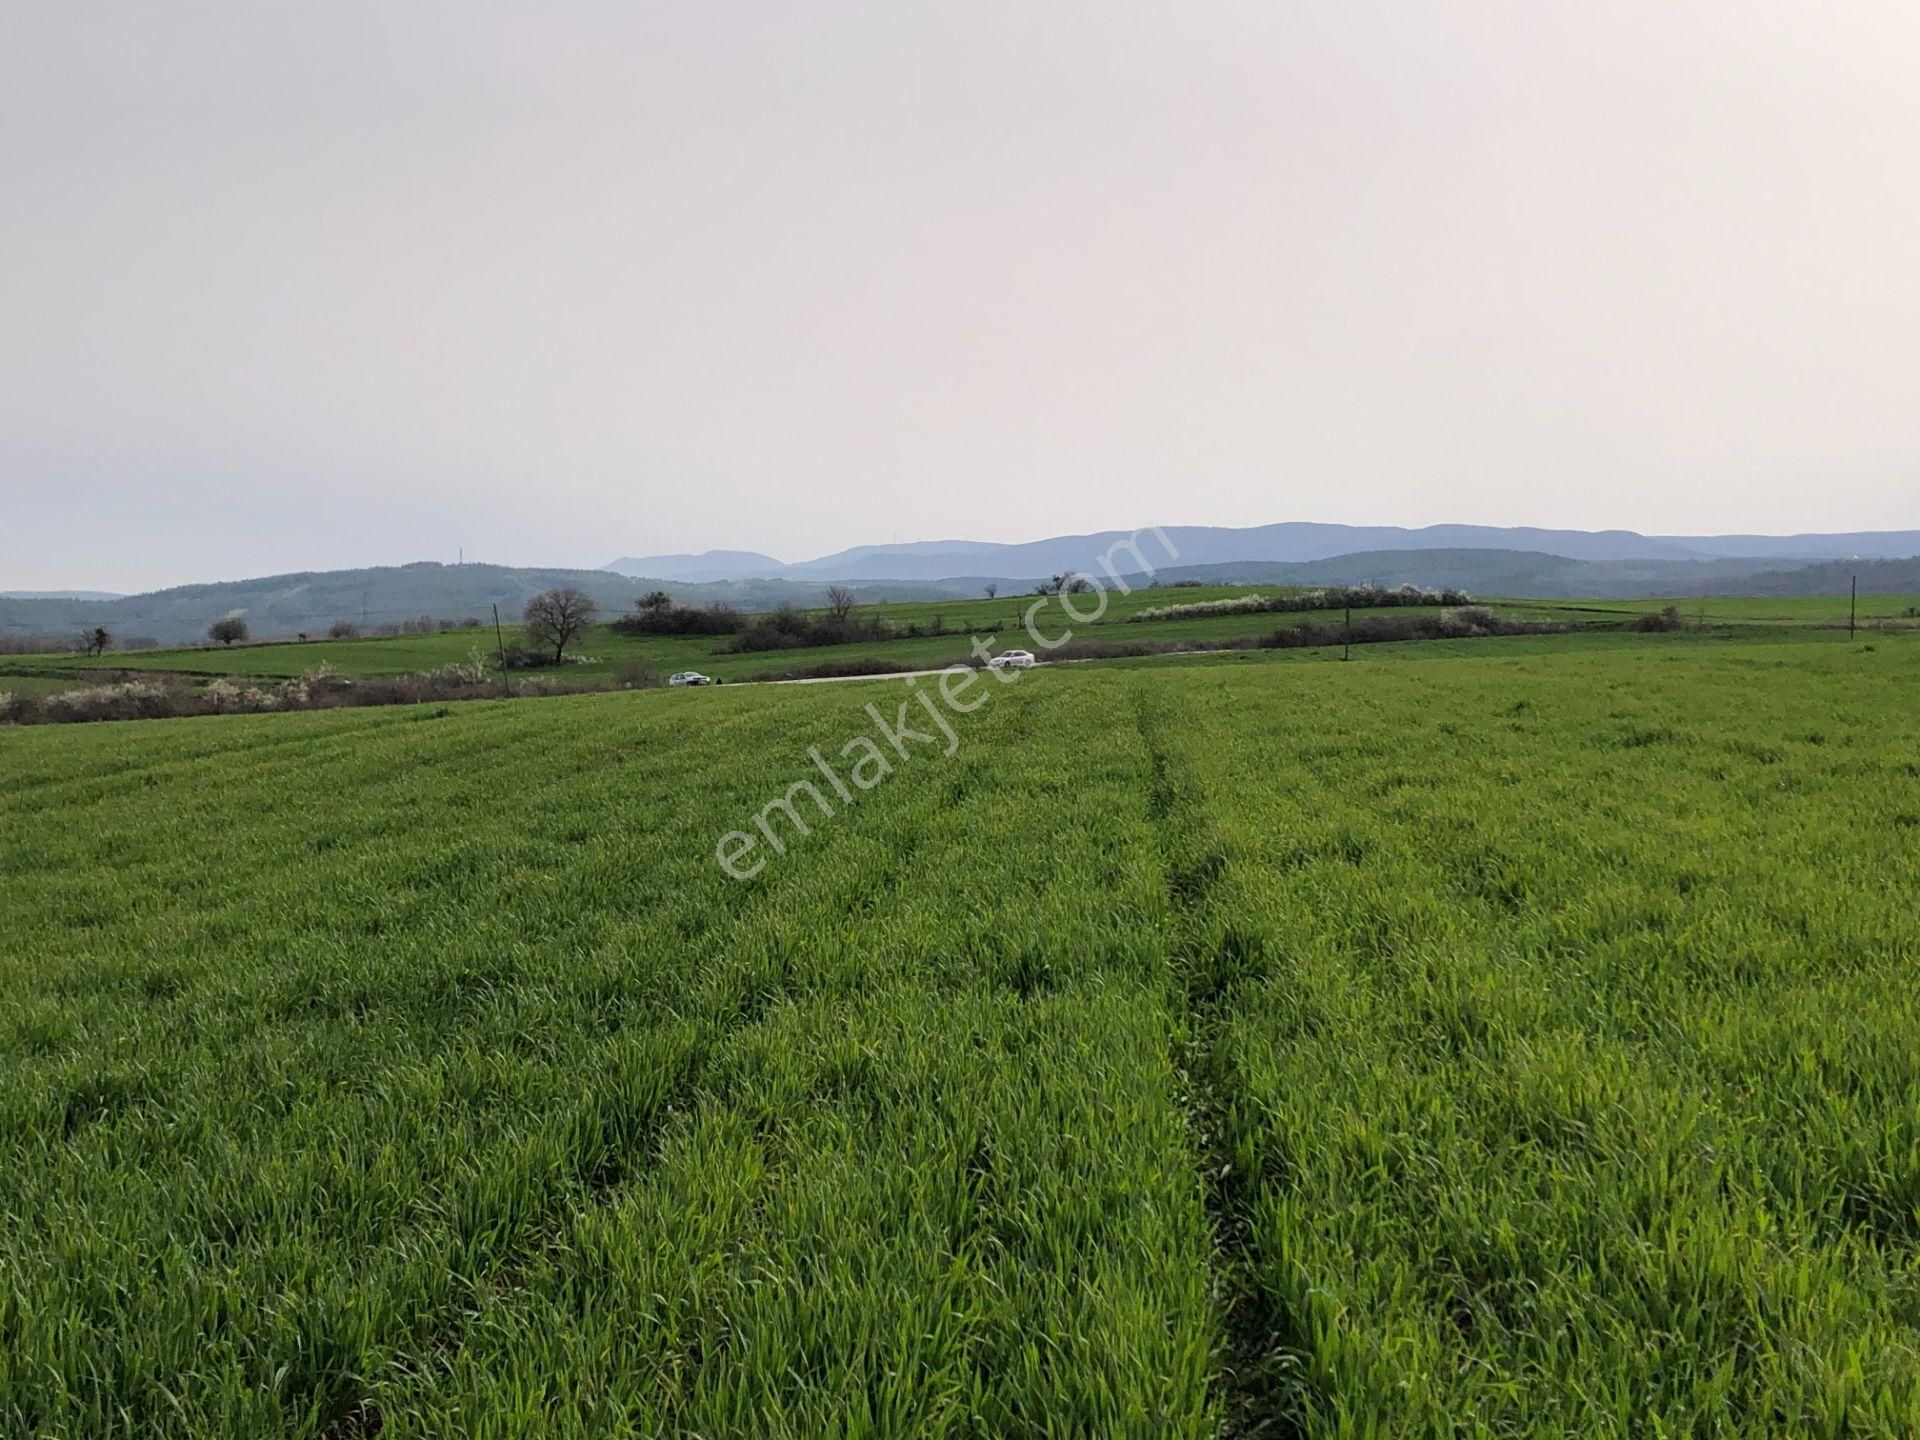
<point>1346,644</point>
<point>499,635</point>
<point>1853,609</point>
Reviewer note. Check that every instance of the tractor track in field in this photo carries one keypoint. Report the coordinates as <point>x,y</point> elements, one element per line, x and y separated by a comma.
<point>1251,1397</point>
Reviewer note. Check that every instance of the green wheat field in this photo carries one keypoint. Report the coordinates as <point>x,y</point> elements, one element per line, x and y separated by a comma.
<point>1509,1038</point>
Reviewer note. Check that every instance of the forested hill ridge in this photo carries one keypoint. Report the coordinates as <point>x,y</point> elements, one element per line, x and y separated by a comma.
<point>377,596</point>
<point>1526,573</point>
<point>383,596</point>
<point>1289,542</point>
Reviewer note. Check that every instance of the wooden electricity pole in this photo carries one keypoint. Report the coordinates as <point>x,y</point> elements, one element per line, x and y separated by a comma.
<point>500,636</point>
<point>1346,644</point>
<point>1853,609</point>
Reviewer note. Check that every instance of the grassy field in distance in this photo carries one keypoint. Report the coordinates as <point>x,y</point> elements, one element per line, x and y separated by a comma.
<point>402,654</point>
<point>607,649</point>
<point>1002,617</point>
<point>1788,611</point>
<point>1520,1044</point>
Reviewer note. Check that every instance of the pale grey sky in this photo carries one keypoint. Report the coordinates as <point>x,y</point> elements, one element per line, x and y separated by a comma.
<point>290,286</point>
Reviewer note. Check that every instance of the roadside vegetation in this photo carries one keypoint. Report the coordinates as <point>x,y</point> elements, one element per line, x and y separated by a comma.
<point>166,697</point>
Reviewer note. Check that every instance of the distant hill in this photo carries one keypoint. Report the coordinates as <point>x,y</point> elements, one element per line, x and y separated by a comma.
<point>1290,542</point>
<point>1515,572</point>
<point>310,601</point>
<point>1876,577</point>
<point>59,595</point>
<point>711,565</point>
<point>1858,545</point>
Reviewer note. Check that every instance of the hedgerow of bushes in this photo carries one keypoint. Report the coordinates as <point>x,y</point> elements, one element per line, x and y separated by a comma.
<point>788,629</point>
<point>1336,597</point>
<point>1661,620</point>
<point>317,689</point>
<point>657,615</point>
<point>1469,622</point>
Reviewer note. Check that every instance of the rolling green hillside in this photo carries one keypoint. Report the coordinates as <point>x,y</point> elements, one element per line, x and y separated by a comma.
<point>1522,572</point>
<point>286,605</point>
<point>606,651</point>
<point>1520,1044</point>
<point>282,606</point>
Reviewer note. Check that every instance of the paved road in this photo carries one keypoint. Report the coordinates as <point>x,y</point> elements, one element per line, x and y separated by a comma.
<point>1037,664</point>
<point>829,679</point>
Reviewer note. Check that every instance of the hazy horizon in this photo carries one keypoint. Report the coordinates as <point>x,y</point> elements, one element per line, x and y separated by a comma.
<point>317,287</point>
<point>798,558</point>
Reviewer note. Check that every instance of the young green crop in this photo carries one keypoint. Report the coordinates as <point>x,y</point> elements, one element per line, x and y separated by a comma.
<point>1519,1044</point>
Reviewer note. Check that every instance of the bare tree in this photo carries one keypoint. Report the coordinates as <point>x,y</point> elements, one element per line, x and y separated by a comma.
<point>839,601</point>
<point>228,630</point>
<point>993,588</point>
<point>95,641</point>
<point>342,630</point>
<point>555,618</point>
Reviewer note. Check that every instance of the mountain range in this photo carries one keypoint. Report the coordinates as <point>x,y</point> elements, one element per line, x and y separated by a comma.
<point>1483,560</point>
<point>1292,542</point>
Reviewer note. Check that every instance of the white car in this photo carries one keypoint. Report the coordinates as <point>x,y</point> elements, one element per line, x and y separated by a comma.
<point>1013,660</point>
<point>688,677</point>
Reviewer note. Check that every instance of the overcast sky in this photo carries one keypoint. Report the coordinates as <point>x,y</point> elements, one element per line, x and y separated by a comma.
<point>290,286</point>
